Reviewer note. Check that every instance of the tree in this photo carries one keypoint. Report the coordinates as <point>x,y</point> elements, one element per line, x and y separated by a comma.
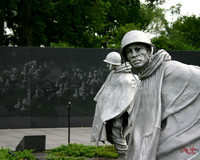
<point>80,21</point>
<point>2,15</point>
<point>27,20</point>
<point>77,23</point>
<point>6,7</point>
<point>186,29</point>
<point>183,35</point>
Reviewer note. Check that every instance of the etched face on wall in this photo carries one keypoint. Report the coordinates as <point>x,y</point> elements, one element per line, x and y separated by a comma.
<point>138,55</point>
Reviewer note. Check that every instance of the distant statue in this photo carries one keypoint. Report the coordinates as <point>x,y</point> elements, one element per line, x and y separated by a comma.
<point>114,101</point>
<point>166,116</point>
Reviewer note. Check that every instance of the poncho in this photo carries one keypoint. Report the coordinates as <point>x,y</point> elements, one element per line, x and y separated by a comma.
<point>113,99</point>
<point>166,116</point>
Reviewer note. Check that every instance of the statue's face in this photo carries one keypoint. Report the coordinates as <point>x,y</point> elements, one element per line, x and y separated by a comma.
<point>138,55</point>
<point>110,66</point>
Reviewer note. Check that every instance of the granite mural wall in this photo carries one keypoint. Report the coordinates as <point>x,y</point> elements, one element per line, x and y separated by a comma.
<point>36,84</point>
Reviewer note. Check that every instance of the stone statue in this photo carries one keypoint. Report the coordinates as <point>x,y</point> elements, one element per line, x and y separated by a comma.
<point>113,103</point>
<point>166,115</point>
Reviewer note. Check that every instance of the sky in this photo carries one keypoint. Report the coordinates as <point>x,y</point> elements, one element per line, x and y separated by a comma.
<point>188,8</point>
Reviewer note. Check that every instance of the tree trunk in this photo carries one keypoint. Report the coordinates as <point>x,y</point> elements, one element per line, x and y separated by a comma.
<point>27,24</point>
<point>1,27</point>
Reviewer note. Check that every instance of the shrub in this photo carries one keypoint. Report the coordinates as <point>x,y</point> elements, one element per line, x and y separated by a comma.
<point>81,151</point>
<point>8,154</point>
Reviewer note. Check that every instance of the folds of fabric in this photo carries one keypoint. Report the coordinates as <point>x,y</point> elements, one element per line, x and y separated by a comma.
<point>181,111</point>
<point>113,99</point>
<point>146,120</point>
<point>166,115</point>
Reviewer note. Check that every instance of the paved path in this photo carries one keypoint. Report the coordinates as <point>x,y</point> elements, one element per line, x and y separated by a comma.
<point>10,138</point>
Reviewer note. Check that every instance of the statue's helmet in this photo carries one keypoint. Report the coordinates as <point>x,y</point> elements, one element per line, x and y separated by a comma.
<point>113,58</point>
<point>135,36</point>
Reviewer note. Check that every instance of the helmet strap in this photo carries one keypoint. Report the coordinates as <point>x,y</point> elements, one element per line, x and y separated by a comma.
<point>110,67</point>
<point>151,55</point>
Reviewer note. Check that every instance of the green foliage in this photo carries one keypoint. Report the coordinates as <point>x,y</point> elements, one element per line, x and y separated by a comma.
<point>4,154</point>
<point>28,21</point>
<point>61,45</point>
<point>186,29</point>
<point>82,151</point>
<point>183,35</point>
<point>94,24</point>
<point>163,42</point>
<point>7,154</point>
<point>26,154</point>
<point>74,23</point>
<point>115,42</point>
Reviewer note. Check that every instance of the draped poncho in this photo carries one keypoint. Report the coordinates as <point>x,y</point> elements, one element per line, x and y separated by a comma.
<point>113,99</point>
<point>166,115</point>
